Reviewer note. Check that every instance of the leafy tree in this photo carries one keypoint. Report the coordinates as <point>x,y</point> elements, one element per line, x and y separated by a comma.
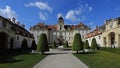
<point>24,45</point>
<point>86,45</point>
<point>33,46</point>
<point>66,44</point>
<point>54,44</point>
<point>42,43</point>
<point>94,44</point>
<point>77,43</point>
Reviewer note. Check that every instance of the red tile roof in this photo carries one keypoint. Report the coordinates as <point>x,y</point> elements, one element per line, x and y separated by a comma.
<point>94,33</point>
<point>72,27</point>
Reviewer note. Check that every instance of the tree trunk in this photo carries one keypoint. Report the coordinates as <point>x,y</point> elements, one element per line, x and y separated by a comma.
<point>42,52</point>
<point>77,52</point>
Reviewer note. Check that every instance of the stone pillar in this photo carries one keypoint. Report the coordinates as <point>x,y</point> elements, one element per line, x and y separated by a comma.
<point>117,40</point>
<point>108,41</point>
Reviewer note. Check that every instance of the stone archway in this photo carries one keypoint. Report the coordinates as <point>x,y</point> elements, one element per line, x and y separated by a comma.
<point>112,39</point>
<point>3,41</point>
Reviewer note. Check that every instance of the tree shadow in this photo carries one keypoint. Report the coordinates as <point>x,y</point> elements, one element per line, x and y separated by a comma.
<point>87,53</point>
<point>9,60</point>
<point>55,53</point>
<point>9,56</point>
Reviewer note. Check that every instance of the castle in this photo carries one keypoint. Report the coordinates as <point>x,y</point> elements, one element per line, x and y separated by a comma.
<point>59,32</point>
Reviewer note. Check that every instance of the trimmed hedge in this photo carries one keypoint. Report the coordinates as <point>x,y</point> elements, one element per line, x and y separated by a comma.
<point>33,46</point>
<point>94,44</point>
<point>24,45</point>
<point>66,44</point>
<point>86,45</point>
<point>77,43</point>
<point>42,43</point>
<point>54,44</point>
<point>113,50</point>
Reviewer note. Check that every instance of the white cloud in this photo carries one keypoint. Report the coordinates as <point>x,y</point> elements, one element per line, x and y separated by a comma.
<point>8,12</point>
<point>43,16</point>
<point>40,5</point>
<point>71,15</point>
<point>90,8</point>
<point>59,14</point>
<point>83,18</point>
<point>91,25</point>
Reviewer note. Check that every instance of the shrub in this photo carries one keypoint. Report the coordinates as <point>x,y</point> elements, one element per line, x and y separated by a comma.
<point>33,46</point>
<point>54,44</point>
<point>66,44</point>
<point>94,44</point>
<point>24,45</point>
<point>86,45</point>
<point>77,43</point>
<point>42,43</point>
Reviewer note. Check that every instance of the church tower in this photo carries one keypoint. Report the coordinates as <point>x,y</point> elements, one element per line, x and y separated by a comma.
<point>60,23</point>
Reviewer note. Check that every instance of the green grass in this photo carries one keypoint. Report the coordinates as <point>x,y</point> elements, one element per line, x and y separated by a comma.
<point>109,49</point>
<point>20,60</point>
<point>100,59</point>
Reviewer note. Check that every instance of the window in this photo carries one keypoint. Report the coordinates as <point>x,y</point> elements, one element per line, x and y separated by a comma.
<point>99,37</point>
<point>17,37</point>
<point>60,27</point>
<point>69,38</point>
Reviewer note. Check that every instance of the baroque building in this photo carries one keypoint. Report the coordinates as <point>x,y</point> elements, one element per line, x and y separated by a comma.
<point>12,34</point>
<point>59,32</point>
<point>107,35</point>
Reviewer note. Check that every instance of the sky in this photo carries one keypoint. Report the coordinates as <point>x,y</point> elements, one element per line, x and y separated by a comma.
<point>31,12</point>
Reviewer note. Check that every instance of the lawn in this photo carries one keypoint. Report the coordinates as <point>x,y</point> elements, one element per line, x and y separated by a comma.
<point>20,60</point>
<point>100,59</point>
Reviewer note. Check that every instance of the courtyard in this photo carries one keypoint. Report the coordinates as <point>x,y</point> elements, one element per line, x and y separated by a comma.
<point>94,59</point>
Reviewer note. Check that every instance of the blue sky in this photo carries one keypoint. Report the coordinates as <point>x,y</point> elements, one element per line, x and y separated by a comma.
<point>31,12</point>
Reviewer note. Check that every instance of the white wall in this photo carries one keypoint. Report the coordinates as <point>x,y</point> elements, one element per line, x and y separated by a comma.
<point>98,38</point>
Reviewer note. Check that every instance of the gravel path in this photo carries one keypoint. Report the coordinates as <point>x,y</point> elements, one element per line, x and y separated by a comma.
<point>60,59</point>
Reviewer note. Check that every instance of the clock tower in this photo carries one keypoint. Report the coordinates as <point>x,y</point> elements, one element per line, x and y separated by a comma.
<point>60,23</point>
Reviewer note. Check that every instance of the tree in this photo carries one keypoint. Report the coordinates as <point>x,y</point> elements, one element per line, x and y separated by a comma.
<point>42,44</point>
<point>94,44</point>
<point>77,43</point>
<point>86,45</point>
<point>53,44</point>
<point>24,45</point>
<point>66,44</point>
<point>33,46</point>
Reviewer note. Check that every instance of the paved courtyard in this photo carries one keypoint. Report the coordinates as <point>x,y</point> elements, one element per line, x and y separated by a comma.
<point>60,59</point>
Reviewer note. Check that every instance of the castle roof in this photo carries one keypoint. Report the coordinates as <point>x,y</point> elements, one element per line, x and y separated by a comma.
<point>55,27</point>
<point>95,32</point>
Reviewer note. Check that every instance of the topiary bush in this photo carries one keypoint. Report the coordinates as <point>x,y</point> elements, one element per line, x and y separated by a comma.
<point>86,45</point>
<point>42,44</point>
<point>54,44</point>
<point>77,43</point>
<point>66,44</point>
<point>24,45</point>
<point>94,44</point>
<point>33,46</point>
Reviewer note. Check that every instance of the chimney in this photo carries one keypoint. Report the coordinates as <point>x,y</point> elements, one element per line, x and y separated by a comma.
<point>18,23</point>
<point>13,20</point>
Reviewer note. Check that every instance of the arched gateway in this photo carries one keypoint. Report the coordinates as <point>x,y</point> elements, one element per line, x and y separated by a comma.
<point>112,39</point>
<point>3,41</point>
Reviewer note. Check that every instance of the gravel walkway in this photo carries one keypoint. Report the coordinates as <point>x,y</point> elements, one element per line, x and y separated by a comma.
<point>60,59</point>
